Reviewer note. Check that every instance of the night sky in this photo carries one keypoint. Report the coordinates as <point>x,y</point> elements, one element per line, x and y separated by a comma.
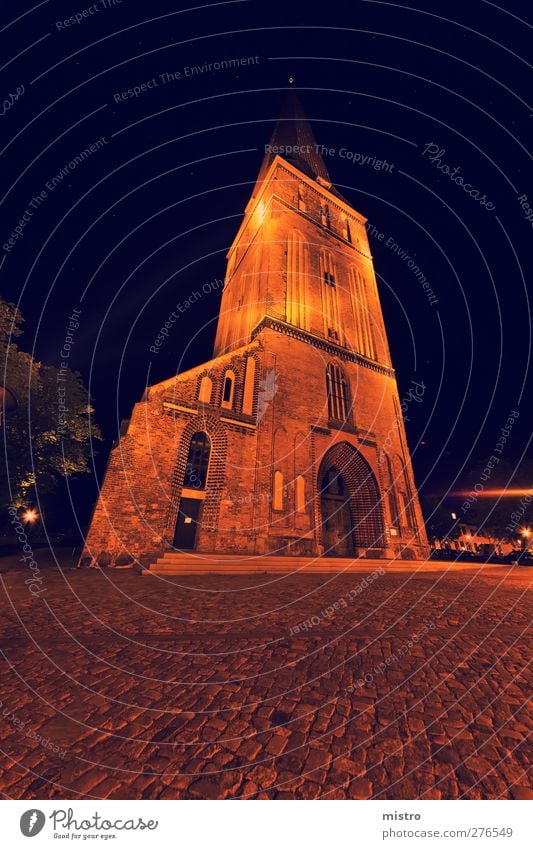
<point>148,217</point>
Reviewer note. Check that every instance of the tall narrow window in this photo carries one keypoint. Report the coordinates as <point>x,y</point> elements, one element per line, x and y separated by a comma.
<point>277,500</point>
<point>297,309</point>
<point>249,383</point>
<point>206,386</point>
<point>330,304</point>
<point>300,494</point>
<point>391,492</point>
<point>347,231</point>
<point>409,512</point>
<point>228,389</point>
<point>336,391</point>
<point>364,332</point>
<point>197,461</point>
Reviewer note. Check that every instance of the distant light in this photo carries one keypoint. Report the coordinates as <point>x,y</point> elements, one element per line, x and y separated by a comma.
<point>30,515</point>
<point>496,493</point>
<point>525,532</point>
<point>454,515</point>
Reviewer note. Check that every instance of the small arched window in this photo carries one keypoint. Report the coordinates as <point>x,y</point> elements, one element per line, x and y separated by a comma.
<point>337,394</point>
<point>277,501</point>
<point>206,387</point>
<point>197,461</point>
<point>228,389</point>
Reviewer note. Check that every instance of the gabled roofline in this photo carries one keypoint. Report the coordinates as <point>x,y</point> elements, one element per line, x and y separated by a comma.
<point>255,199</point>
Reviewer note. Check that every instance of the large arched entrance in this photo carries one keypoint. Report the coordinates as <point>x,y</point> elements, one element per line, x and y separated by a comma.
<point>351,512</point>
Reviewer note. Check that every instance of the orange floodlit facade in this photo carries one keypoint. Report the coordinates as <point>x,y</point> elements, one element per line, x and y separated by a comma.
<point>290,440</point>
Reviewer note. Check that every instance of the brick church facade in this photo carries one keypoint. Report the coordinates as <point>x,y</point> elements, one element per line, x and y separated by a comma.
<point>291,439</point>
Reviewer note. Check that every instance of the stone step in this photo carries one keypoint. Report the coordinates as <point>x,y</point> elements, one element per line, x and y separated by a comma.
<point>175,563</point>
<point>179,557</point>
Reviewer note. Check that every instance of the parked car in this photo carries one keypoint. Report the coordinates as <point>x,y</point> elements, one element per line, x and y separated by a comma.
<point>523,557</point>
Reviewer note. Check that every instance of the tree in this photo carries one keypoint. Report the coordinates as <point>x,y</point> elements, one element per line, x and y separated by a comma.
<point>50,433</point>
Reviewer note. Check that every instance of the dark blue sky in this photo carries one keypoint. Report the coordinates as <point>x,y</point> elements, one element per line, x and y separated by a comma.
<point>146,218</point>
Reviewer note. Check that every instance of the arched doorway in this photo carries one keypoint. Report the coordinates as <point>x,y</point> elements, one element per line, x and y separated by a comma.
<point>193,491</point>
<point>351,510</point>
<point>336,515</point>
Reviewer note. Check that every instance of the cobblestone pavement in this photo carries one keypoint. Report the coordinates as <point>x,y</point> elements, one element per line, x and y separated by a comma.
<point>413,686</point>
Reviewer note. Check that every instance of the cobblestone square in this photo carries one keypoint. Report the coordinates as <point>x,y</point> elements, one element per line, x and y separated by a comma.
<point>405,685</point>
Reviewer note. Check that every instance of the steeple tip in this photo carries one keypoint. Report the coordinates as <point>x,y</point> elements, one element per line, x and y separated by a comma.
<point>293,139</point>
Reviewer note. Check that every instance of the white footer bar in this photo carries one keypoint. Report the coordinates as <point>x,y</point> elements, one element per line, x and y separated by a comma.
<point>268,825</point>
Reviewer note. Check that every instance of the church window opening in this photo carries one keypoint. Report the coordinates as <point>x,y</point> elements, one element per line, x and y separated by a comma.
<point>278,491</point>
<point>348,231</point>
<point>300,494</point>
<point>330,304</point>
<point>227,390</point>
<point>337,396</point>
<point>206,386</point>
<point>197,461</point>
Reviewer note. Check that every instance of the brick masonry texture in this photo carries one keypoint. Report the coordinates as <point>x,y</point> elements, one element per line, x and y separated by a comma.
<point>209,686</point>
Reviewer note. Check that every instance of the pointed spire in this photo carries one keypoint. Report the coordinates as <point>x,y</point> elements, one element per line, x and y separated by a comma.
<point>293,139</point>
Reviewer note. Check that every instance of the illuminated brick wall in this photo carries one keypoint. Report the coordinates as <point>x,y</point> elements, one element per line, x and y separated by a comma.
<point>300,293</point>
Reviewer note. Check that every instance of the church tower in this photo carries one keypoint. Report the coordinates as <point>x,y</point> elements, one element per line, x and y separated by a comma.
<point>290,441</point>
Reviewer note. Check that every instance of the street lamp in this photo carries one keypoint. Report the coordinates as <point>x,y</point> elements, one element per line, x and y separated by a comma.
<point>526,533</point>
<point>30,515</point>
